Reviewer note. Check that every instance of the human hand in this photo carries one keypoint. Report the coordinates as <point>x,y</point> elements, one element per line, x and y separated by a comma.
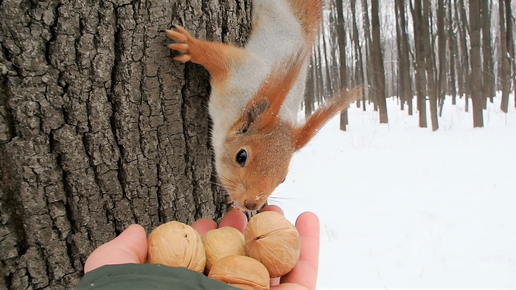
<point>304,275</point>
<point>131,247</point>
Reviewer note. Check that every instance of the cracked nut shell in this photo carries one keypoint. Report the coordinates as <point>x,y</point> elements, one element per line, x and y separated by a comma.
<point>274,241</point>
<point>222,242</point>
<point>176,244</point>
<point>241,272</point>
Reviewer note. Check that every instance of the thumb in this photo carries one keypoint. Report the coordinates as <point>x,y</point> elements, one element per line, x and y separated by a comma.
<point>130,247</point>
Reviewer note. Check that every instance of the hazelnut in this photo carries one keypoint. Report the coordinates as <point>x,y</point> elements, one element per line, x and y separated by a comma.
<point>176,245</point>
<point>274,241</point>
<point>222,242</point>
<point>241,272</point>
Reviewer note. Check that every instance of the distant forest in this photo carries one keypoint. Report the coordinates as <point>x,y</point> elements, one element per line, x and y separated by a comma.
<point>419,51</point>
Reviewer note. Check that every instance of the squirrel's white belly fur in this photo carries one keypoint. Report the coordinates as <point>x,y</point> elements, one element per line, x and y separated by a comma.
<point>272,20</point>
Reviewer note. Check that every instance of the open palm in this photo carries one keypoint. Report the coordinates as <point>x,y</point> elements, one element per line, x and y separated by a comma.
<point>131,247</point>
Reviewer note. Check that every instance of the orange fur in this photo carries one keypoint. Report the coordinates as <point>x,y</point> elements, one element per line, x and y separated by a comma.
<point>269,151</point>
<point>308,13</point>
<point>269,140</point>
<point>276,87</point>
<point>302,135</point>
<point>215,57</point>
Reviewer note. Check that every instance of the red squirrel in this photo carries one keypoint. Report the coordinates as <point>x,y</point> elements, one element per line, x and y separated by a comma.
<point>256,93</point>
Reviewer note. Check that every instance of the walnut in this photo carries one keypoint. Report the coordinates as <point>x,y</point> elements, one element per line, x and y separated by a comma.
<point>241,272</point>
<point>274,241</point>
<point>176,244</point>
<point>222,242</point>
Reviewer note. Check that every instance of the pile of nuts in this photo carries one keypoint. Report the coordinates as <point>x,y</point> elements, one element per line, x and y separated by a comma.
<point>269,248</point>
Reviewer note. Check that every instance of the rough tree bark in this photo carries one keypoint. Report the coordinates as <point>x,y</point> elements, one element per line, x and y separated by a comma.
<point>430,64</point>
<point>341,34</point>
<point>309,99</point>
<point>368,55</point>
<point>419,43</point>
<point>453,53</point>
<point>99,128</point>
<point>404,81</point>
<point>488,79</point>
<point>378,67</point>
<point>359,65</point>
<point>505,39</point>
<point>441,76</point>
<point>464,80</point>
<point>476,63</point>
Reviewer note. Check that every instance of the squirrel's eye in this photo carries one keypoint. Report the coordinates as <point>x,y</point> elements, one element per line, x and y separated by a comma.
<point>241,157</point>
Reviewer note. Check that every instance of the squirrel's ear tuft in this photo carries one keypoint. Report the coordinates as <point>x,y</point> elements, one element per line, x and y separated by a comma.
<point>256,110</point>
<point>275,89</point>
<point>302,135</point>
<point>253,112</point>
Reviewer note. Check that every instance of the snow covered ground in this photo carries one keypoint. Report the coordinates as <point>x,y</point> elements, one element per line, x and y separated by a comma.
<point>405,207</point>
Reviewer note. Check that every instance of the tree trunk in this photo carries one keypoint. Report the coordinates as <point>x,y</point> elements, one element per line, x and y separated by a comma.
<point>488,80</point>
<point>369,58</point>
<point>341,34</point>
<point>360,79</point>
<point>100,128</point>
<point>378,67</point>
<point>476,63</point>
<point>404,80</point>
<point>428,49</point>
<point>464,53</point>
<point>505,39</point>
<point>419,41</point>
<point>309,99</point>
<point>453,54</point>
<point>442,80</point>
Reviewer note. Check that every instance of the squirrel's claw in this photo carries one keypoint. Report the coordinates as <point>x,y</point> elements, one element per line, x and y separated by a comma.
<point>181,47</point>
<point>183,38</point>
<point>179,35</point>
<point>183,58</point>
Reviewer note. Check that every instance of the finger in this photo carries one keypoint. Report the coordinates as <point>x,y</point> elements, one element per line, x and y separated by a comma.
<point>305,272</point>
<point>273,208</point>
<point>204,225</point>
<point>288,286</point>
<point>234,218</point>
<point>130,247</point>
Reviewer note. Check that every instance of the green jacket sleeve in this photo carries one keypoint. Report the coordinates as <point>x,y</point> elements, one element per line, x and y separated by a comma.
<point>147,276</point>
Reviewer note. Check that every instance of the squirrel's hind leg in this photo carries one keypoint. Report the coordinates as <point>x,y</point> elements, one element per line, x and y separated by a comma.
<point>217,58</point>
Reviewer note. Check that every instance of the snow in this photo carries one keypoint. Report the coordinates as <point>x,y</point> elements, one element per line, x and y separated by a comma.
<point>405,207</point>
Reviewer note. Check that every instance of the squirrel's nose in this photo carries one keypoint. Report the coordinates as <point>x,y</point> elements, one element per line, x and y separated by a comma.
<point>250,204</point>
<point>254,204</point>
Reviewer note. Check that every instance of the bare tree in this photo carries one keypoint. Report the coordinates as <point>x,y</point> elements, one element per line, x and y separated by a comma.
<point>476,63</point>
<point>359,64</point>
<point>488,79</point>
<point>368,60</point>
<point>309,99</point>
<point>419,40</point>
<point>378,67</point>
<point>404,82</point>
<point>429,56</point>
<point>506,47</point>
<point>100,129</point>
<point>464,80</point>
<point>441,34</point>
<point>453,53</point>
<point>341,34</point>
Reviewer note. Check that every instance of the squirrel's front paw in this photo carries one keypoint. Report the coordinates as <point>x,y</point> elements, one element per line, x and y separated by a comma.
<point>184,42</point>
